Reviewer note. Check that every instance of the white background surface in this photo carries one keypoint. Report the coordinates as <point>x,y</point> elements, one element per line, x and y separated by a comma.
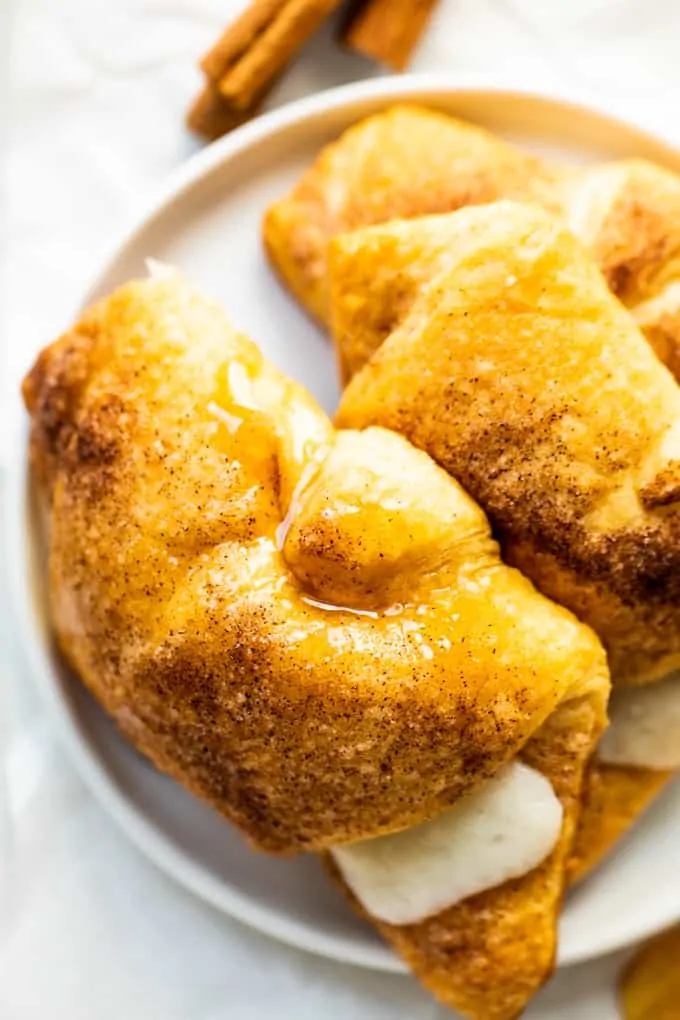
<point>90,930</point>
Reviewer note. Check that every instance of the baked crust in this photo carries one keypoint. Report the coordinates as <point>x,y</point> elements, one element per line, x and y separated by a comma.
<point>405,162</point>
<point>514,367</point>
<point>264,605</point>
<point>614,797</point>
<point>489,971</point>
<point>410,161</point>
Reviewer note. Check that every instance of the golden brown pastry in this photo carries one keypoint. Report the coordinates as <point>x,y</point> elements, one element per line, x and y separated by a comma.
<point>490,970</point>
<point>514,367</point>
<point>405,162</point>
<point>310,629</point>
<point>410,161</point>
<point>650,984</point>
<point>613,798</point>
<point>517,371</point>
<point>635,758</point>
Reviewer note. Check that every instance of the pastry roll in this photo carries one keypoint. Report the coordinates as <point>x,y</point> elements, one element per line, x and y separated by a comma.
<point>410,161</point>
<point>405,162</point>
<point>485,955</point>
<point>511,364</point>
<point>514,367</point>
<point>313,631</point>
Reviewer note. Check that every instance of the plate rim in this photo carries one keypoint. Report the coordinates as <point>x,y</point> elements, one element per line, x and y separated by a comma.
<point>141,831</point>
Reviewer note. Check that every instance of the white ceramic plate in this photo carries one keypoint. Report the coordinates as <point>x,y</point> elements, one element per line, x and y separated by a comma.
<point>207,223</point>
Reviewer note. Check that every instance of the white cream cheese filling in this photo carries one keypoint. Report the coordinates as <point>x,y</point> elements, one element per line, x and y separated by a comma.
<point>644,726</point>
<point>498,832</point>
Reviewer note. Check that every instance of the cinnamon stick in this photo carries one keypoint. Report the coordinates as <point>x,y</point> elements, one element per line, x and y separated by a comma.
<point>388,30</point>
<point>238,37</point>
<point>211,117</point>
<point>259,44</point>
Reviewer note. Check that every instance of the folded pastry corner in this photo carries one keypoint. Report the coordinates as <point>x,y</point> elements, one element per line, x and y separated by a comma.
<point>489,339</point>
<point>650,984</point>
<point>406,161</point>
<point>613,798</point>
<point>637,756</point>
<point>469,903</point>
<point>515,368</point>
<point>314,631</point>
<point>410,161</point>
<point>487,954</point>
